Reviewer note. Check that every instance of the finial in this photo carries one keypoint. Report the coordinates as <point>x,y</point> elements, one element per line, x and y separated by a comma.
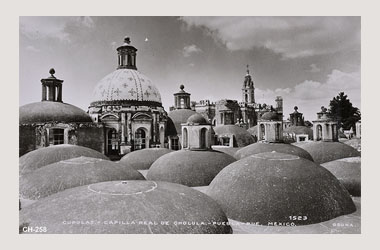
<point>248,69</point>
<point>181,87</point>
<point>323,109</point>
<point>295,108</point>
<point>52,71</point>
<point>127,40</point>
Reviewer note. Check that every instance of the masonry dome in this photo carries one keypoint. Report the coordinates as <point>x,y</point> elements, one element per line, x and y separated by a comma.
<point>178,117</point>
<point>120,205</point>
<point>241,136</point>
<point>144,158</point>
<point>270,116</point>
<point>196,119</point>
<point>71,173</point>
<point>269,187</point>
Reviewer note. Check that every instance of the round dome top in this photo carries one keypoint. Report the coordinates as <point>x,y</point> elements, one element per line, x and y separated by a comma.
<point>190,168</point>
<point>242,136</point>
<point>46,111</point>
<point>180,116</point>
<point>121,206</point>
<point>144,158</point>
<point>269,187</point>
<point>298,130</point>
<point>70,173</point>
<point>45,156</point>
<point>348,172</point>
<point>127,85</point>
<point>327,151</point>
<point>256,148</point>
<point>196,119</point>
<point>269,116</point>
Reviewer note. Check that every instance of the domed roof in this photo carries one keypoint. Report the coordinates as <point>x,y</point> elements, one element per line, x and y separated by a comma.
<point>144,158</point>
<point>269,116</point>
<point>119,206</point>
<point>298,130</point>
<point>196,119</point>
<point>190,168</point>
<point>327,151</point>
<point>259,147</point>
<point>348,172</point>
<point>180,116</point>
<point>269,187</point>
<point>70,173</point>
<point>45,156</point>
<point>47,111</point>
<point>126,85</point>
<point>242,137</point>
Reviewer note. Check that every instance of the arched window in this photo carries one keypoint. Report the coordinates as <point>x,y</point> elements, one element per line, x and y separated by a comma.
<point>185,138</point>
<point>182,103</point>
<point>262,130</point>
<point>140,139</point>
<point>319,132</point>
<point>112,142</point>
<point>202,138</point>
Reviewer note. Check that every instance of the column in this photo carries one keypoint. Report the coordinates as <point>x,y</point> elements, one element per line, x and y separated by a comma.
<point>154,128</point>
<point>43,92</point>
<point>122,129</point>
<point>129,128</point>
<point>60,93</point>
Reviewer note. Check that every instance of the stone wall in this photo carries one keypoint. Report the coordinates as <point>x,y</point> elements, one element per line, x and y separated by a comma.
<point>27,139</point>
<point>91,137</point>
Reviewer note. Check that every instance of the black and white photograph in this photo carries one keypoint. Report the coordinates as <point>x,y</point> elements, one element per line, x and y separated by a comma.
<point>190,125</point>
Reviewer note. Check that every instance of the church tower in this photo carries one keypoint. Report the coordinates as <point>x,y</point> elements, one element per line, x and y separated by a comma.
<point>248,89</point>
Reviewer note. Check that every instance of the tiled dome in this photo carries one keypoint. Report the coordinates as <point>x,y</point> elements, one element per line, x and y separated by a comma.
<point>126,85</point>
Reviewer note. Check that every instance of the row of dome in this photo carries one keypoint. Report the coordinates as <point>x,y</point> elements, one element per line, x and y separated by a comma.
<point>274,176</point>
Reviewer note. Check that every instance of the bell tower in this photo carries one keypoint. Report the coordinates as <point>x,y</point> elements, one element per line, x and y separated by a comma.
<point>248,89</point>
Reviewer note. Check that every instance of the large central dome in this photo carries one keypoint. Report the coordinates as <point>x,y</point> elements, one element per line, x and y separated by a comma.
<point>126,85</point>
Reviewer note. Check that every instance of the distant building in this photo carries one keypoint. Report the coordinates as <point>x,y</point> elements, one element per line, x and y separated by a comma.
<point>325,128</point>
<point>296,118</point>
<point>270,127</point>
<point>358,128</point>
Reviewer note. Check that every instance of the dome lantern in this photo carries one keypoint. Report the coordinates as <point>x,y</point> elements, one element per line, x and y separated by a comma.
<point>127,55</point>
<point>51,88</point>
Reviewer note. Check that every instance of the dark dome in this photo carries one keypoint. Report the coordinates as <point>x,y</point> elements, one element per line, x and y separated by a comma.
<point>45,156</point>
<point>197,119</point>
<point>120,206</point>
<point>327,151</point>
<point>70,173</point>
<point>41,112</point>
<point>144,158</point>
<point>180,116</point>
<point>190,168</point>
<point>261,147</point>
<point>298,130</point>
<point>242,137</point>
<point>271,187</point>
<point>269,116</point>
<point>348,172</point>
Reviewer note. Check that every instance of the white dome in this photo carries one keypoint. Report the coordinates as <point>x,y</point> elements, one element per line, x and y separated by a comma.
<point>126,84</point>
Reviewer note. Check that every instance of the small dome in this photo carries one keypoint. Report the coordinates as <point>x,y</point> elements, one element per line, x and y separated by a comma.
<point>46,111</point>
<point>126,85</point>
<point>190,168</point>
<point>348,172</point>
<point>45,156</point>
<point>270,116</point>
<point>127,207</point>
<point>180,116</point>
<point>71,173</point>
<point>327,151</point>
<point>144,158</point>
<point>270,147</point>
<point>197,119</point>
<point>270,187</point>
<point>299,130</point>
<point>242,137</point>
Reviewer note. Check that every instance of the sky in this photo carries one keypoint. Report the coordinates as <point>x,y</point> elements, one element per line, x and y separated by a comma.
<point>306,60</point>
